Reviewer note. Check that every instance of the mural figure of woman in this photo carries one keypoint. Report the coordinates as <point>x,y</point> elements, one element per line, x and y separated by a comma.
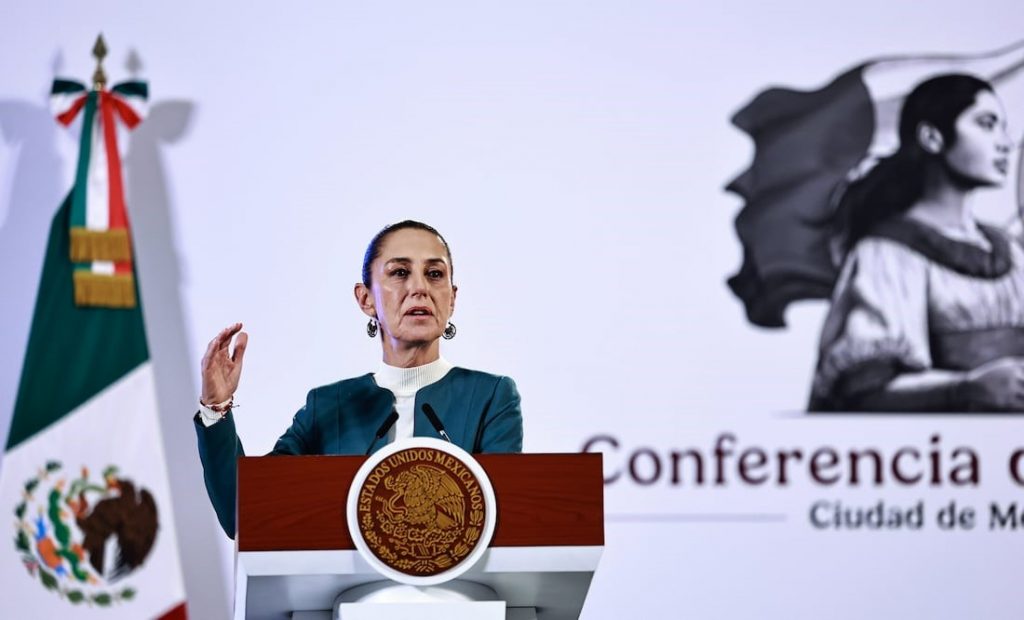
<point>928,311</point>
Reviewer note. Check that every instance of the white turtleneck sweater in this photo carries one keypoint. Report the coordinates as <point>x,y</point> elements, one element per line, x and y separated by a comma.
<point>404,383</point>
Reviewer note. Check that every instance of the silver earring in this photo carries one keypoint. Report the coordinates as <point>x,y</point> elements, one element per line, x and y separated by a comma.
<point>371,328</point>
<point>449,332</point>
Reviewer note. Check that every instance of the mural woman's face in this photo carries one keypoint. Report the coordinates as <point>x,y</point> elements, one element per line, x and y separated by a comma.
<point>981,152</point>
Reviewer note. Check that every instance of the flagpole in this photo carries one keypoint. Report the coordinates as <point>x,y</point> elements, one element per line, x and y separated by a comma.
<point>99,51</point>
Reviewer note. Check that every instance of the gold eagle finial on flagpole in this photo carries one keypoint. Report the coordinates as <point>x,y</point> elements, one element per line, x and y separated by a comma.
<point>99,50</point>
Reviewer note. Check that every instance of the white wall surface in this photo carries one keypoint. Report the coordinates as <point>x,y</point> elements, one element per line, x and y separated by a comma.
<point>573,154</point>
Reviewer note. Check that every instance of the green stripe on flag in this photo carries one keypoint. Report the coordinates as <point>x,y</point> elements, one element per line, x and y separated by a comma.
<point>73,353</point>
<point>82,172</point>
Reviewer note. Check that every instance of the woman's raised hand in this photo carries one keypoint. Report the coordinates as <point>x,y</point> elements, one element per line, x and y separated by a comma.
<point>221,370</point>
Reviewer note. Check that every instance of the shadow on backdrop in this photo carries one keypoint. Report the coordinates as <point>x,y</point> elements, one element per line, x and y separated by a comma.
<point>30,131</point>
<point>150,201</point>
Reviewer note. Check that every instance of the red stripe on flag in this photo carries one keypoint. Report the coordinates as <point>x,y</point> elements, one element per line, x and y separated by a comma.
<point>178,613</point>
<point>69,115</point>
<point>128,115</point>
<point>118,216</point>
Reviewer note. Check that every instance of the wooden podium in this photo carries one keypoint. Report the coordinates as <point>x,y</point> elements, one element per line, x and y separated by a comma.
<point>295,554</point>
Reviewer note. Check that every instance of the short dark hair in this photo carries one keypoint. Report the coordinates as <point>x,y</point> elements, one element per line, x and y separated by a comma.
<point>373,250</point>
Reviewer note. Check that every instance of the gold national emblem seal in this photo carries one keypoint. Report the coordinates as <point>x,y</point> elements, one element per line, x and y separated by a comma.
<point>422,510</point>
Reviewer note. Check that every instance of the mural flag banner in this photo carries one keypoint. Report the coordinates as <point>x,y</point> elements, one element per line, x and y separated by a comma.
<point>808,146</point>
<point>84,478</point>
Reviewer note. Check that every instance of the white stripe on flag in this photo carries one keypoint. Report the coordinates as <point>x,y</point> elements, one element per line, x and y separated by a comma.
<point>103,267</point>
<point>119,426</point>
<point>97,198</point>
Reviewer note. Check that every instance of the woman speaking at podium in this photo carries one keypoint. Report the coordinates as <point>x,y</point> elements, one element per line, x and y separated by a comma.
<point>408,294</point>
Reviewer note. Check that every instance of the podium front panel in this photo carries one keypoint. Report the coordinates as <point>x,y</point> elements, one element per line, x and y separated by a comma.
<point>293,503</point>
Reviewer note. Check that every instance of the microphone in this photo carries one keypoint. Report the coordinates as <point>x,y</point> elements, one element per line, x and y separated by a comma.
<point>436,421</point>
<point>383,430</point>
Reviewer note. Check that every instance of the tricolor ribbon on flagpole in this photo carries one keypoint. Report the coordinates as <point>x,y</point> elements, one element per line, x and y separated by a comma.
<point>100,244</point>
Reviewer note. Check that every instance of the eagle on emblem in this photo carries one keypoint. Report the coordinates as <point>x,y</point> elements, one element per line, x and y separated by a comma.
<point>119,529</point>
<point>77,531</point>
<point>425,496</point>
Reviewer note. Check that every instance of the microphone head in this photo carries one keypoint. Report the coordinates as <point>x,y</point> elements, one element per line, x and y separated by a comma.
<point>388,423</point>
<point>383,430</point>
<point>432,416</point>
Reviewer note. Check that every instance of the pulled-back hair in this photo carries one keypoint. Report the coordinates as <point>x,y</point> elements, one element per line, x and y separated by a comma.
<point>897,182</point>
<point>373,250</point>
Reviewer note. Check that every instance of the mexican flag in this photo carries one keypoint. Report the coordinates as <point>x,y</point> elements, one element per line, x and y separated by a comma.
<point>83,480</point>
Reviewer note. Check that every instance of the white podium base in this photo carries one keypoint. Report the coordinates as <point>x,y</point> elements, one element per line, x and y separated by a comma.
<point>387,600</point>
<point>511,613</point>
<point>536,583</point>
<point>465,610</point>
<point>455,591</point>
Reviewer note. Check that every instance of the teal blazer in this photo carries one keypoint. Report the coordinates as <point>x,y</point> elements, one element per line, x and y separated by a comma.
<point>480,413</point>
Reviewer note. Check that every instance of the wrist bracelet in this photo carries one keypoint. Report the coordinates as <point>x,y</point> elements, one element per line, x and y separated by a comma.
<point>220,408</point>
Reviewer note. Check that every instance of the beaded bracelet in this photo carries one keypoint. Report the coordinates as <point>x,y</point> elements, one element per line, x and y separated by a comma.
<point>220,408</point>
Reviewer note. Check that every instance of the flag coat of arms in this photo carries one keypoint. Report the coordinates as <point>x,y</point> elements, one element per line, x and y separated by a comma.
<point>83,479</point>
